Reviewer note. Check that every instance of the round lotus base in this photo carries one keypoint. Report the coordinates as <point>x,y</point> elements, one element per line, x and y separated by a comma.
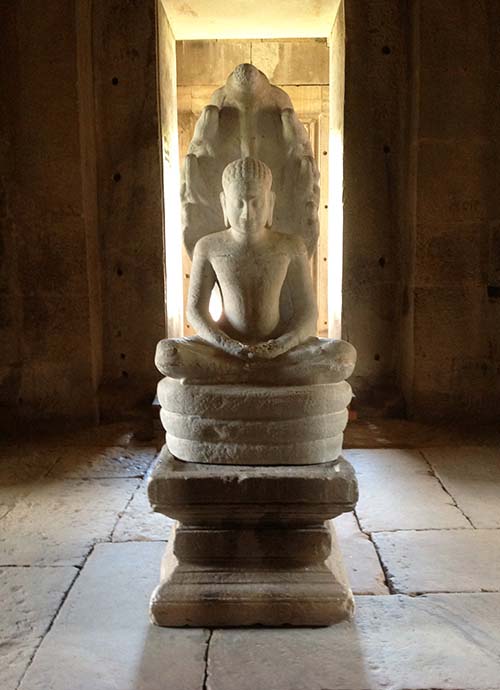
<point>254,425</point>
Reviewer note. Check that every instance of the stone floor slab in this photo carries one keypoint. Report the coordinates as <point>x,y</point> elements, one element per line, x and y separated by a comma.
<point>445,641</point>
<point>397,490</point>
<point>472,475</point>
<point>57,523</point>
<point>441,560</point>
<point>20,469</point>
<point>90,462</point>
<point>140,523</point>
<point>29,600</point>
<point>387,432</point>
<point>103,435</point>
<point>19,464</point>
<point>102,638</point>
<point>360,558</point>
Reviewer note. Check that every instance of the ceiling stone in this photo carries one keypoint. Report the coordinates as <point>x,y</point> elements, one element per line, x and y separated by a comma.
<point>211,19</point>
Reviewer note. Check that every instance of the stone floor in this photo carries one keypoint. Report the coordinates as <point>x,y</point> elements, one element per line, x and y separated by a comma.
<point>80,553</point>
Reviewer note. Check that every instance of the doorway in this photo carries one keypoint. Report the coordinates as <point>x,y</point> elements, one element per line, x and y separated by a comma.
<point>195,58</point>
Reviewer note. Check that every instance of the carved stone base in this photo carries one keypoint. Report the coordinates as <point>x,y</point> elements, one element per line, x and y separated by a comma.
<point>237,592</point>
<point>254,546</point>
<point>254,425</point>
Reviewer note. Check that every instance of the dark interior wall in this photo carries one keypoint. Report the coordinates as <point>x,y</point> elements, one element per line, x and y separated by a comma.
<point>421,242</point>
<point>129,199</point>
<point>46,363</point>
<point>375,168</point>
<point>457,211</point>
<point>81,286</point>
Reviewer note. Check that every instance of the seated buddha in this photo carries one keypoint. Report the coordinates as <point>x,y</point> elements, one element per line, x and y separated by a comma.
<point>266,332</point>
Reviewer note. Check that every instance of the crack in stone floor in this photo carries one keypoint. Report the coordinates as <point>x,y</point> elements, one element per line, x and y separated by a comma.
<point>207,660</point>
<point>55,614</point>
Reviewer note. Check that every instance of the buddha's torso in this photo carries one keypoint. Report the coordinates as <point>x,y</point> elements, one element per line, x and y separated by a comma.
<point>251,280</point>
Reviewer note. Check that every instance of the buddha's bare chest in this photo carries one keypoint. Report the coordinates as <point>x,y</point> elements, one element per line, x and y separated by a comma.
<point>251,274</point>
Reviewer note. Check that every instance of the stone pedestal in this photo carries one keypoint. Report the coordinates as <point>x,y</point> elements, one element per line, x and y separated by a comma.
<point>253,545</point>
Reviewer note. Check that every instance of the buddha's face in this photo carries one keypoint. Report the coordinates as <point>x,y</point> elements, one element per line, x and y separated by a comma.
<point>247,206</point>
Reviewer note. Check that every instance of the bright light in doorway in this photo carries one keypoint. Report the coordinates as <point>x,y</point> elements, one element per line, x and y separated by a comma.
<point>173,238</point>
<point>335,232</point>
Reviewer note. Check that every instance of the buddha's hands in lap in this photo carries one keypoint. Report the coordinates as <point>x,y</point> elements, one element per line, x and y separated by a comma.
<point>252,353</point>
<point>270,349</point>
<point>224,343</point>
<point>266,350</point>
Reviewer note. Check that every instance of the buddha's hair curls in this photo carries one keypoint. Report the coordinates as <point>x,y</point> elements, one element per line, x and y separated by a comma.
<point>247,170</point>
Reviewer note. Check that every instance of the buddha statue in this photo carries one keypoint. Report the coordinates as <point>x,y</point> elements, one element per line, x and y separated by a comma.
<point>266,333</point>
<point>254,405</point>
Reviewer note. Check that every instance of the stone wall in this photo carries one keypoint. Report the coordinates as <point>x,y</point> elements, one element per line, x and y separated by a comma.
<point>421,248</point>
<point>375,116</point>
<point>81,286</point>
<point>457,211</point>
<point>46,362</point>
<point>130,200</point>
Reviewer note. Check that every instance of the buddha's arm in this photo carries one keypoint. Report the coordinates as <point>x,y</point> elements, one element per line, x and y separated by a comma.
<point>202,282</point>
<point>303,323</point>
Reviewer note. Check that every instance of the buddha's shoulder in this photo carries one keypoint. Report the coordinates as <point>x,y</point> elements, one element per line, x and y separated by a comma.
<point>212,243</point>
<point>293,244</point>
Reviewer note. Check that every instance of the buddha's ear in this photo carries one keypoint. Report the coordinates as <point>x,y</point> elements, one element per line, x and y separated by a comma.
<point>271,200</point>
<point>222,198</point>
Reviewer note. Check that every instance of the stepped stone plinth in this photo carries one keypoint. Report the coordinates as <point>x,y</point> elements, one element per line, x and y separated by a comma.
<point>253,545</point>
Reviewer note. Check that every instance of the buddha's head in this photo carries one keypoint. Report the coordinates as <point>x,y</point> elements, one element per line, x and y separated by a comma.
<point>247,199</point>
<point>246,80</point>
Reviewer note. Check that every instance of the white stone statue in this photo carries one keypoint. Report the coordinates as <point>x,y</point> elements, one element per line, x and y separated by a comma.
<point>255,386</point>
<point>248,116</point>
<point>267,329</point>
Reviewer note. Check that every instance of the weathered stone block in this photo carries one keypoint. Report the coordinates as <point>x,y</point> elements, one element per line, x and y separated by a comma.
<point>448,323</point>
<point>451,255</point>
<point>200,494</point>
<point>398,492</point>
<point>465,170</point>
<point>209,62</point>
<point>292,62</point>
<point>279,545</point>
<point>235,593</point>
<point>453,103</point>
